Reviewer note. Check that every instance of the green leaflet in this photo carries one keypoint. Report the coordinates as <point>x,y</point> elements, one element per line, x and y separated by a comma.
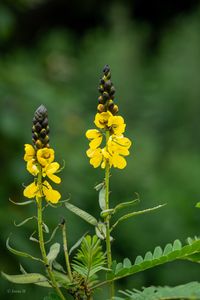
<point>186,291</point>
<point>77,244</point>
<point>53,253</point>
<point>81,213</point>
<point>126,204</point>
<point>25,221</point>
<point>89,259</point>
<point>21,203</point>
<point>135,213</point>
<point>25,278</point>
<point>170,253</point>
<point>42,283</point>
<point>20,253</point>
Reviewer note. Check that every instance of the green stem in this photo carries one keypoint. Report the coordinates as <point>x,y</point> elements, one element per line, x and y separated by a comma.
<point>41,239</point>
<point>66,250</point>
<point>107,218</point>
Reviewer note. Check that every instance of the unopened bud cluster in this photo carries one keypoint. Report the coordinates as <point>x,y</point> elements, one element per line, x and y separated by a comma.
<point>40,128</point>
<point>107,91</point>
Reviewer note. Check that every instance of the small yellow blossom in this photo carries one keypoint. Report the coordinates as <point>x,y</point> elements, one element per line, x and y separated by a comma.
<point>101,119</point>
<point>33,190</point>
<point>32,167</point>
<point>98,157</point>
<point>45,156</point>
<point>49,171</point>
<point>117,124</point>
<point>29,152</point>
<point>119,144</point>
<point>95,137</point>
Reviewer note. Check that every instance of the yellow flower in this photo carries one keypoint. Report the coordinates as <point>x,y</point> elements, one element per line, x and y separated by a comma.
<point>98,157</point>
<point>101,119</point>
<point>49,171</point>
<point>118,146</point>
<point>95,137</point>
<point>44,190</point>
<point>51,195</point>
<point>32,190</point>
<point>45,156</point>
<point>117,124</point>
<point>29,152</point>
<point>32,167</point>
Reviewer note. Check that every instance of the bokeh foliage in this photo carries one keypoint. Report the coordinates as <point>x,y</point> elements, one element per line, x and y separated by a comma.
<point>158,93</point>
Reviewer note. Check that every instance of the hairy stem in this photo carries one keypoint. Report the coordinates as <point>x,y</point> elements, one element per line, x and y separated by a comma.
<point>107,218</point>
<point>66,250</point>
<point>41,240</point>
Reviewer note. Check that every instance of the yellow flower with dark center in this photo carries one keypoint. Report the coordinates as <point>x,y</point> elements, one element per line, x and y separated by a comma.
<point>117,125</point>
<point>32,167</point>
<point>45,156</point>
<point>44,190</point>
<point>98,157</point>
<point>101,119</point>
<point>95,137</point>
<point>49,171</point>
<point>29,152</point>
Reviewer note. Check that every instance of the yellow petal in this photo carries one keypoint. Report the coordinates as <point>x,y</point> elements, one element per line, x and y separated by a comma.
<point>119,161</point>
<point>95,143</point>
<point>31,190</point>
<point>51,195</point>
<point>96,161</point>
<point>32,167</point>
<point>45,156</point>
<point>50,169</point>
<point>29,152</point>
<point>93,133</point>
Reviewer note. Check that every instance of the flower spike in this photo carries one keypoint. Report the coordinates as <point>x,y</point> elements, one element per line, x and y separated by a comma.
<point>40,160</point>
<point>110,126</point>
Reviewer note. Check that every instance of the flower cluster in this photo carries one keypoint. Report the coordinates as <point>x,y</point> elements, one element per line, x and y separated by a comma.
<point>109,125</point>
<point>40,162</point>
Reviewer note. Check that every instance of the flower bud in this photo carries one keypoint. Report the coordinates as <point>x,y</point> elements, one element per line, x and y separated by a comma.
<point>40,128</point>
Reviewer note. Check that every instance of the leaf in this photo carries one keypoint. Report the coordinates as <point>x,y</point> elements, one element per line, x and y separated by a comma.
<point>58,266</point>
<point>31,238</point>
<point>21,203</point>
<point>43,283</point>
<point>77,244</point>
<point>123,205</point>
<point>89,259</point>
<point>81,213</point>
<point>25,221</point>
<point>102,198</point>
<point>53,253</point>
<point>170,253</point>
<point>52,235</point>
<point>186,291</point>
<point>62,279</point>
<point>20,253</point>
<point>135,213</point>
<point>25,278</point>
<point>45,228</point>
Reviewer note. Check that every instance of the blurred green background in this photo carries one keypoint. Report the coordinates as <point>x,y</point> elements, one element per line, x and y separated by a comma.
<point>52,53</point>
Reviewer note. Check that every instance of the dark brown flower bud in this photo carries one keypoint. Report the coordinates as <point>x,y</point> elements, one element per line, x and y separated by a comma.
<point>40,128</point>
<point>114,110</point>
<point>101,108</point>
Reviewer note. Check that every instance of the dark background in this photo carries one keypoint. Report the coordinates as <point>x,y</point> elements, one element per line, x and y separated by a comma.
<point>53,52</point>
